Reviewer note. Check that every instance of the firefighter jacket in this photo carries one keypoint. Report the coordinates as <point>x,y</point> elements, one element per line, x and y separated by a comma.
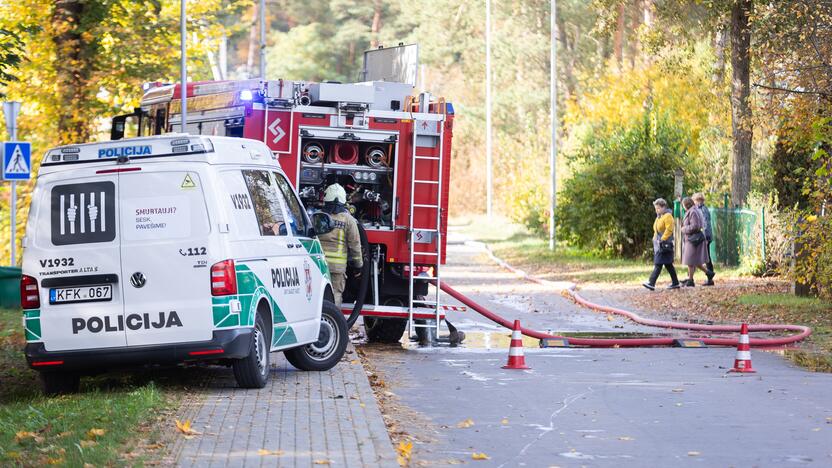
<point>342,243</point>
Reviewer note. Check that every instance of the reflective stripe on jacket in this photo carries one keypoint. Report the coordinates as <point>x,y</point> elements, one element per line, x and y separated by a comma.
<point>343,243</point>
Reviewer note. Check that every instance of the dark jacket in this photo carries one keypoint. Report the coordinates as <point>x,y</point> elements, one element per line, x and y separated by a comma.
<point>709,234</point>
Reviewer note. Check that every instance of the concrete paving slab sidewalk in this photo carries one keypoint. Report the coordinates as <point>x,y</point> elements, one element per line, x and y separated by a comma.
<point>302,419</point>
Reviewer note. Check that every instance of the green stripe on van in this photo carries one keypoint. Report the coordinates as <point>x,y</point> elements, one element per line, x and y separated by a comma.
<point>31,325</point>
<point>283,335</point>
<point>249,292</point>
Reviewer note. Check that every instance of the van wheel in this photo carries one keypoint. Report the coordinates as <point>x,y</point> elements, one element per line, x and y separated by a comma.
<point>252,371</point>
<point>329,349</point>
<point>59,383</point>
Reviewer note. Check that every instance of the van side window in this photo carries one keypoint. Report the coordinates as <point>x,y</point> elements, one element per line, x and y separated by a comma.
<point>296,214</point>
<point>266,200</point>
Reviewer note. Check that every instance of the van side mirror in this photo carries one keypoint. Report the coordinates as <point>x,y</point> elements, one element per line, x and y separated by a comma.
<point>322,223</point>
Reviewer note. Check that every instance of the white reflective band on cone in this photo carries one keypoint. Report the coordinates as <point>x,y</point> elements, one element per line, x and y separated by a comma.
<point>515,351</point>
<point>744,339</point>
<point>743,355</point>
<point>516,335</point>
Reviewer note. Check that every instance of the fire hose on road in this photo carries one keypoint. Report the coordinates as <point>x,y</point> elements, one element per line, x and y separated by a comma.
<point>802,331</point>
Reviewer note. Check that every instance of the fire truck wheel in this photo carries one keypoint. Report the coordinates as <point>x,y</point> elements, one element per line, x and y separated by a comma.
<point>323,354</point>
<point>252,371</point>
<point>384,330</point>
<point>59,383</point>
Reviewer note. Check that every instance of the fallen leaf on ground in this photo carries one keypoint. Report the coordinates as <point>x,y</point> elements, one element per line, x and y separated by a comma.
<point>185,428</point>
<point>678,390</point>
<point>95,432</point>
<point>269,452</point>
<point>610,318</point>
<point>480,456</point>
<point>22,436</point>
<point>55,461</point>
<point>404,449</point>
<point>64,434</point>
<point>504,421</point>
<point>323,462</point>
<point>625,438</point>
<point>694,454</point>
<point>464,424</point>
<point>87,443</point>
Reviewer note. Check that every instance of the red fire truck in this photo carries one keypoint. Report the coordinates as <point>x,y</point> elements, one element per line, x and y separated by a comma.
<point>389,149</point>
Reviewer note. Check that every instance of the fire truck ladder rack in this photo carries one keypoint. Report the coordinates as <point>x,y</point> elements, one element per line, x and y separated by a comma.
<point>434,234</point>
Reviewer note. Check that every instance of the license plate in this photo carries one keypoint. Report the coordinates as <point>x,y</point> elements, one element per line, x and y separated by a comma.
<point>81,294</point>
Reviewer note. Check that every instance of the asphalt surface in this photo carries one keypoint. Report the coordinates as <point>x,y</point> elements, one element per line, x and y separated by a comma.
<point>595,407</point>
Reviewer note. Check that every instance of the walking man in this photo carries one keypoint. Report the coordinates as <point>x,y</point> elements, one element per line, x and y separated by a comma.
<point>699,200</point>
<point>342,245</point>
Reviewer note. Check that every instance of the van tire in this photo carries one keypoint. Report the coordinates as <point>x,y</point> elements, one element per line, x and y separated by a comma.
<point>330,347</point>
<point>252,371</point>
<point>59,383</point>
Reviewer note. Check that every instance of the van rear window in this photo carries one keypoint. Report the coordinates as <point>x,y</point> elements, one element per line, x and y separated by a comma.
<point>83,213</point>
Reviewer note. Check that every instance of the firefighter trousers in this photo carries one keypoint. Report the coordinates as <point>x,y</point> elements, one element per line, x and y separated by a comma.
<point>339,282</point>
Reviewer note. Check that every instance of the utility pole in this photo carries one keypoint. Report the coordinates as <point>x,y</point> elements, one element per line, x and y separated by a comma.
<point>183,66</point>
<point>488,146</point>
<point>263,39</point>
<point>10,110</point>
<point>553,97</point>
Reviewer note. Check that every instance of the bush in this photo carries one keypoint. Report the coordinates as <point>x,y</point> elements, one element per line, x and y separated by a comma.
<point>607,204</point>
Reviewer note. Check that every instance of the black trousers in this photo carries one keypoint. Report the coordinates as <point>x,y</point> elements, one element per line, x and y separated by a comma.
<point>658,269</point>
<point>710,264</point>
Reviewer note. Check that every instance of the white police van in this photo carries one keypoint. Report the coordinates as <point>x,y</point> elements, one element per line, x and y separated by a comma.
<point>169,249</point>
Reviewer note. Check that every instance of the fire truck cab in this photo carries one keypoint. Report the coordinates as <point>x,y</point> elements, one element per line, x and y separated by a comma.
<point>389,149</point>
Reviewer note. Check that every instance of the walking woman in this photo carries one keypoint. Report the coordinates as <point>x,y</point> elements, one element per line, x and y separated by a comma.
<point>662,246</point>
<point>695,253</point>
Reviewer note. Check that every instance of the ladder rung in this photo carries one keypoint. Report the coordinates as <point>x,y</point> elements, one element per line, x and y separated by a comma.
<point>423,325</point>
<point>425,278</point>
<point>432,158</point>
<point>424,229</point>
<point>419,205</point>
<point>419,181</point>
<point>425,253</point>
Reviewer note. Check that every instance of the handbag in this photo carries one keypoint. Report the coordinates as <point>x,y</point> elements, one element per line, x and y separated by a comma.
<point>666,246</point>
<point>696,238</point>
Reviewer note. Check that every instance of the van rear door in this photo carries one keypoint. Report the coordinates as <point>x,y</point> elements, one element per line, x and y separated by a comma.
<point>74,254</point>
<point>164,255</point>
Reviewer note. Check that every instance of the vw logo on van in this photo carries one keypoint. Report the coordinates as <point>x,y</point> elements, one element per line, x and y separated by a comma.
<point>138,280</point>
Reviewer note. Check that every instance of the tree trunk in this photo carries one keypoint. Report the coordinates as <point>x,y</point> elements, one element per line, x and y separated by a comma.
<point>636,15</point>
<point>376,26</point>
<point>618,37</point>
<point>719,51</point>
<point>253,44</point>
<point>740,106</point>
<point>73,71</point>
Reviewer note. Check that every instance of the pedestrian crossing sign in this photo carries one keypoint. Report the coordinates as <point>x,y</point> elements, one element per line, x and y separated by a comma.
<point>17,160</point>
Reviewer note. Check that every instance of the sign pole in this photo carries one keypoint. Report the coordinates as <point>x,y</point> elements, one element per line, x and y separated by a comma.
<point>553,153</point>
<point>10,110</point>
<point>488,146</point>
<point>183,66</point>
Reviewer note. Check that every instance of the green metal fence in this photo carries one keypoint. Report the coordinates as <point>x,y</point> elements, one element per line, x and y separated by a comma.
<point>738,234</point>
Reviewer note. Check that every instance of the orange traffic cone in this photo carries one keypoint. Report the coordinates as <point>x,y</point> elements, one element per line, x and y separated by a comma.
<point>743,361</point>
<point>516,359</point>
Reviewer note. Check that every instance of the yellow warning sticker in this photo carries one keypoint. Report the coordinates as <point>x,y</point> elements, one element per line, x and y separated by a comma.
<point>188,182</point>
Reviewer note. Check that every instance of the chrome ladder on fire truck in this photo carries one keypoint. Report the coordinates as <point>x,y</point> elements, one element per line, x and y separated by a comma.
<point>434,234</point>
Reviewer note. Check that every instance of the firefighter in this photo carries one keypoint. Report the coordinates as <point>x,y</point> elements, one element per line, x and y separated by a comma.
<point>342,245</point>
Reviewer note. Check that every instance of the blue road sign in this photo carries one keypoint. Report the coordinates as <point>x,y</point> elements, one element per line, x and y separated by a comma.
<point>17,160</point>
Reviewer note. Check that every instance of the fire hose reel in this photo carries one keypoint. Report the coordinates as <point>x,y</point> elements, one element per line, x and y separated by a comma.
<point>313,153</point>
<point>345,153</point>
<point>375,157</point>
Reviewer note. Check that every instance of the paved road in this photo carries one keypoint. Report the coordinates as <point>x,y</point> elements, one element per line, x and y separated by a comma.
<point>596,407</point>
<point>300,419</point>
